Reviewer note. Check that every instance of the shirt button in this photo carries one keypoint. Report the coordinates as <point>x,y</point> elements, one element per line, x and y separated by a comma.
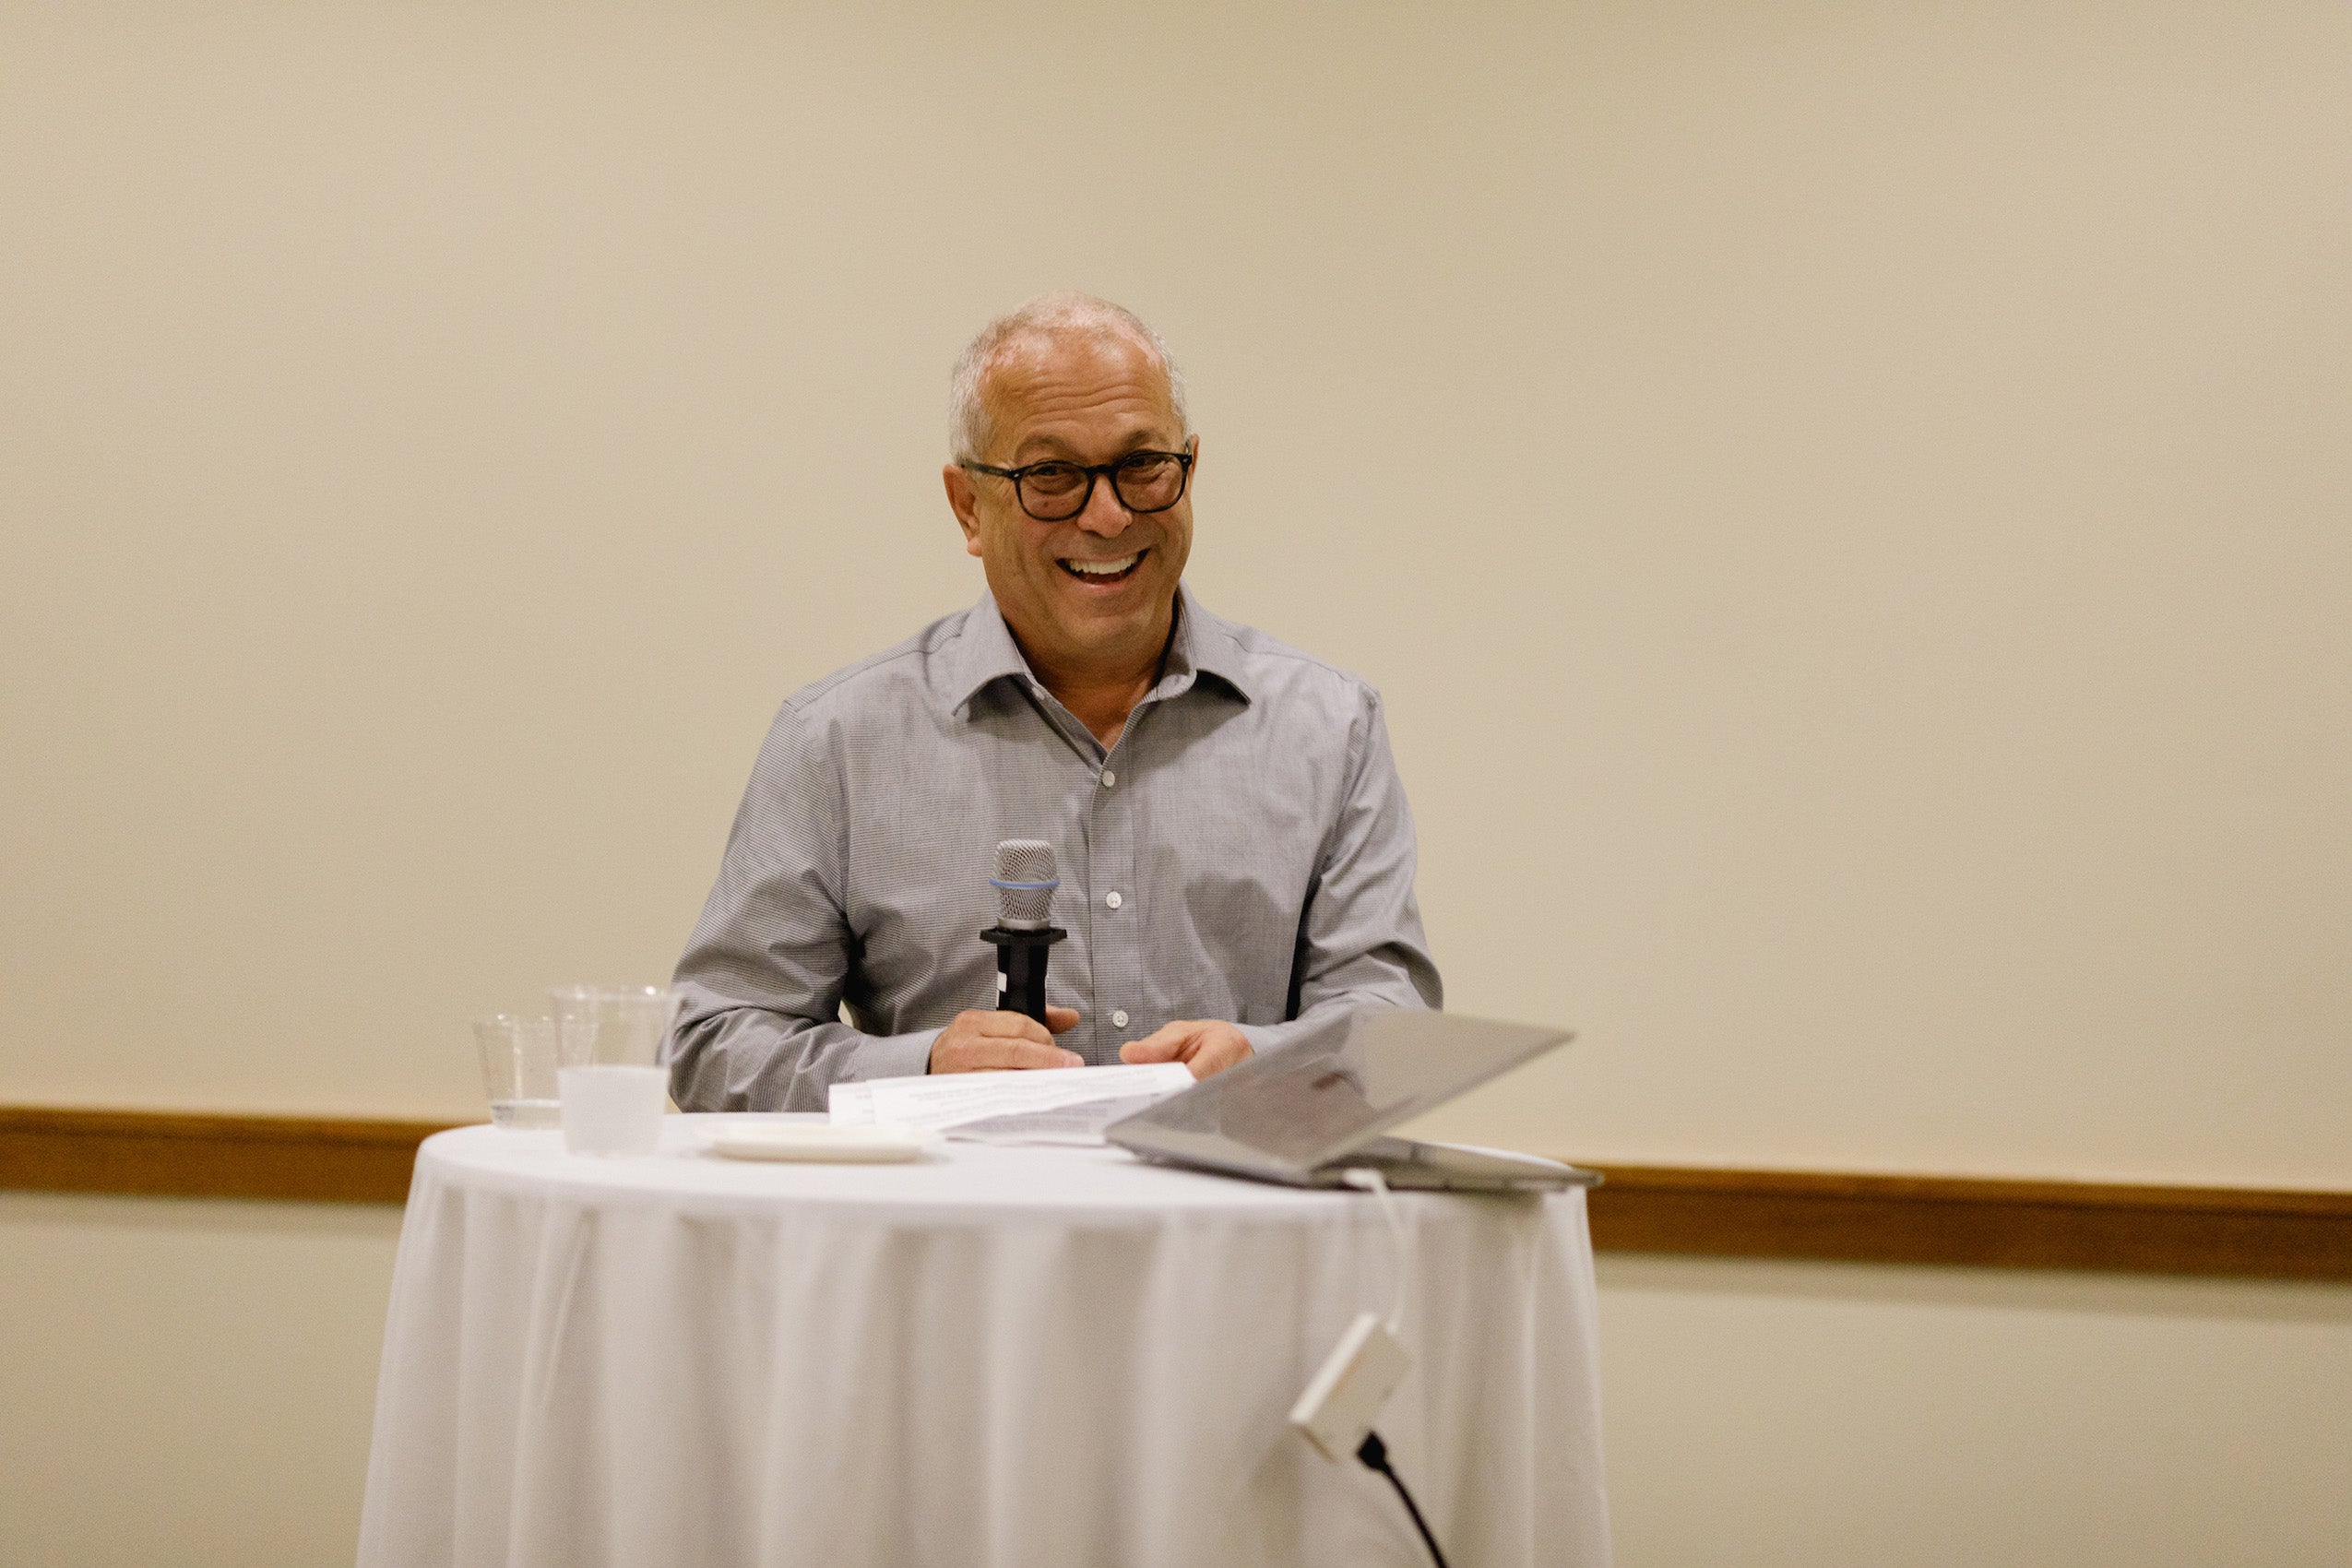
<point>1119,1019</point>
<point>1112,899</point>
<point>1108,779</point>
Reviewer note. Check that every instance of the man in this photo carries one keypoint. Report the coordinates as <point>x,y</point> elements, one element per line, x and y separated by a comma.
<point>1235,850</point>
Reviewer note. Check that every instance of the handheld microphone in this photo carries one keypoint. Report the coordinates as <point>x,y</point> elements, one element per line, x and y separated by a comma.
<point>1024,928</point>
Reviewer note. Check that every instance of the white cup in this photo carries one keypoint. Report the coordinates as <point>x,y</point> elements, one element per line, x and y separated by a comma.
<point>613,1026</point>
<point>612,1110</point>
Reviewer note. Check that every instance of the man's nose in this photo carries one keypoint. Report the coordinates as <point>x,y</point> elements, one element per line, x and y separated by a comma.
<point>1104,512</point>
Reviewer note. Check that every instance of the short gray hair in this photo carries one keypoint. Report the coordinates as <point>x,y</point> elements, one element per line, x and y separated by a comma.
<point>968,421</point>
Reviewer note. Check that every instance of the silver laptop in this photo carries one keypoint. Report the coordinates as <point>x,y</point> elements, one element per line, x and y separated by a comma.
<point>1322,1105</point>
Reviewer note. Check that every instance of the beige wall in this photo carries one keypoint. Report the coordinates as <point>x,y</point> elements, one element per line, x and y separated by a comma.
<point>184,1382</point>
<point>1847,506</point>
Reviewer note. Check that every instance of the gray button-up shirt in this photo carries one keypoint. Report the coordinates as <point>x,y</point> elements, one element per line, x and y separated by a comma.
<point>1244,852</point>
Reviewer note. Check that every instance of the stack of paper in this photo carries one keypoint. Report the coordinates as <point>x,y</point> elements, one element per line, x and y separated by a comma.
<point>957,1100</point>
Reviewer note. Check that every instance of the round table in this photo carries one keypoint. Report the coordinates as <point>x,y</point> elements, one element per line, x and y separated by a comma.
<point>995,1356</point>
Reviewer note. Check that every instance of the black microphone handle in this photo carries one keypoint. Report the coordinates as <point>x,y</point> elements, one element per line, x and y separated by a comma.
<point>1020,968</point>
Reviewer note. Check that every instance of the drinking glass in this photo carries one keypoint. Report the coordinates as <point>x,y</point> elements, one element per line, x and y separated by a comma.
<point>613,1042</point>
<point>612,1110</point>
<point>606,1026</point>
<point>519,1064</point>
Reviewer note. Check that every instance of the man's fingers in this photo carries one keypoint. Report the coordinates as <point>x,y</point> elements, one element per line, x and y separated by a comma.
<point>1170,1043</point>
<point>1203,1045</point>
<point>1013,1025</point>
<point>979,1041</point>
<point>1005,1051</point>
<point>1219,1049</point>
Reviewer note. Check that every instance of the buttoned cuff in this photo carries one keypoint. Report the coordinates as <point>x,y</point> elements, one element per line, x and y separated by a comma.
<point>890,1056</point>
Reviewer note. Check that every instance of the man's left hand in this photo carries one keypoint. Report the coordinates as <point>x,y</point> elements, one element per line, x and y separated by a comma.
<point>1205,1046</point>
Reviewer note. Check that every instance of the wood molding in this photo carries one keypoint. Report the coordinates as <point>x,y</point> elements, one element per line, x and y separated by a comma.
<point>182,1154</point>
<point>2242,1232</point>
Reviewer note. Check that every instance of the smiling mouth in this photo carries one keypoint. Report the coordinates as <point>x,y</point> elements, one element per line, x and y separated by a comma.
<point>1104,572</point>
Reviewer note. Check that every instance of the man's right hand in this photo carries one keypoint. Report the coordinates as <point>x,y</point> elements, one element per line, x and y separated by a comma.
<point>978,1042</point>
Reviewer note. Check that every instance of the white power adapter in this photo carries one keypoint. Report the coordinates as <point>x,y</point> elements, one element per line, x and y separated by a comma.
<point>1344,1398</point>
<point>1345,1395</point>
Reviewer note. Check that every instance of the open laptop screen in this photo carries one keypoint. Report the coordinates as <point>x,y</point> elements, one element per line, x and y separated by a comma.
<point>1319,1097</point>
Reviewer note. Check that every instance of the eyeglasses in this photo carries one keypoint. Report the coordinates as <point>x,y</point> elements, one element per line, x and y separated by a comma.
<point>1054,492</point>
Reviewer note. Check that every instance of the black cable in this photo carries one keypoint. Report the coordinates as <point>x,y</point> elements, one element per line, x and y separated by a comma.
<point>1374,1453</point>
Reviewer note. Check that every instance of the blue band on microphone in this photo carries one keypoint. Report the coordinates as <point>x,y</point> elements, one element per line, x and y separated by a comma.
<point>1024,887</point>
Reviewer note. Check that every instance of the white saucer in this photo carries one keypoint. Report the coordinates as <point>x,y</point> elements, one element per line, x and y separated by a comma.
<point>877,1144</point>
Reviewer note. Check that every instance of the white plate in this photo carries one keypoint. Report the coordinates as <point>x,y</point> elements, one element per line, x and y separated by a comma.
<point>818,1141</point>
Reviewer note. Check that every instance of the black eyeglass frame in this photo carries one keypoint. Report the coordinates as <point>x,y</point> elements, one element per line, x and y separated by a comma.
<point>1093,472</point>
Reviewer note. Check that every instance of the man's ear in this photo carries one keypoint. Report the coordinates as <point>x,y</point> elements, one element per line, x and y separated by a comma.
<point>963,499</point>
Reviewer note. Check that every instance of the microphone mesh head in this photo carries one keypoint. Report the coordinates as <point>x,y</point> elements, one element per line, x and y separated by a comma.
<point>1030,862</point>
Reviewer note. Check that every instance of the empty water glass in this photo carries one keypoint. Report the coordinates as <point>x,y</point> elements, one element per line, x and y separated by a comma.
<point>518,1061</point>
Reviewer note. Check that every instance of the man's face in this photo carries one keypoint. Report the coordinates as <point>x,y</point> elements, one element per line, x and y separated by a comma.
<point>1081,399</point>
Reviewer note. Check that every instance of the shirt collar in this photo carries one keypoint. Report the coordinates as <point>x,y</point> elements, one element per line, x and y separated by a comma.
<point>1204,644</point>
<point>984,651</point>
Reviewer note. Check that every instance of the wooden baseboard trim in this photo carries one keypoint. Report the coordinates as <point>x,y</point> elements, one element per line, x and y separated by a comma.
<point>2233,1231</point>
<point>2237,1231</point>
<point>181,1155</point>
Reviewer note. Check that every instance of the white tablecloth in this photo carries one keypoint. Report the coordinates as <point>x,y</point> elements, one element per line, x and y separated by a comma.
<point>1005,1356</point>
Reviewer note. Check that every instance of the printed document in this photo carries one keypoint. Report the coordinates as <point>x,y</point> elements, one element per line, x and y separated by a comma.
<point>937,1102</point>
